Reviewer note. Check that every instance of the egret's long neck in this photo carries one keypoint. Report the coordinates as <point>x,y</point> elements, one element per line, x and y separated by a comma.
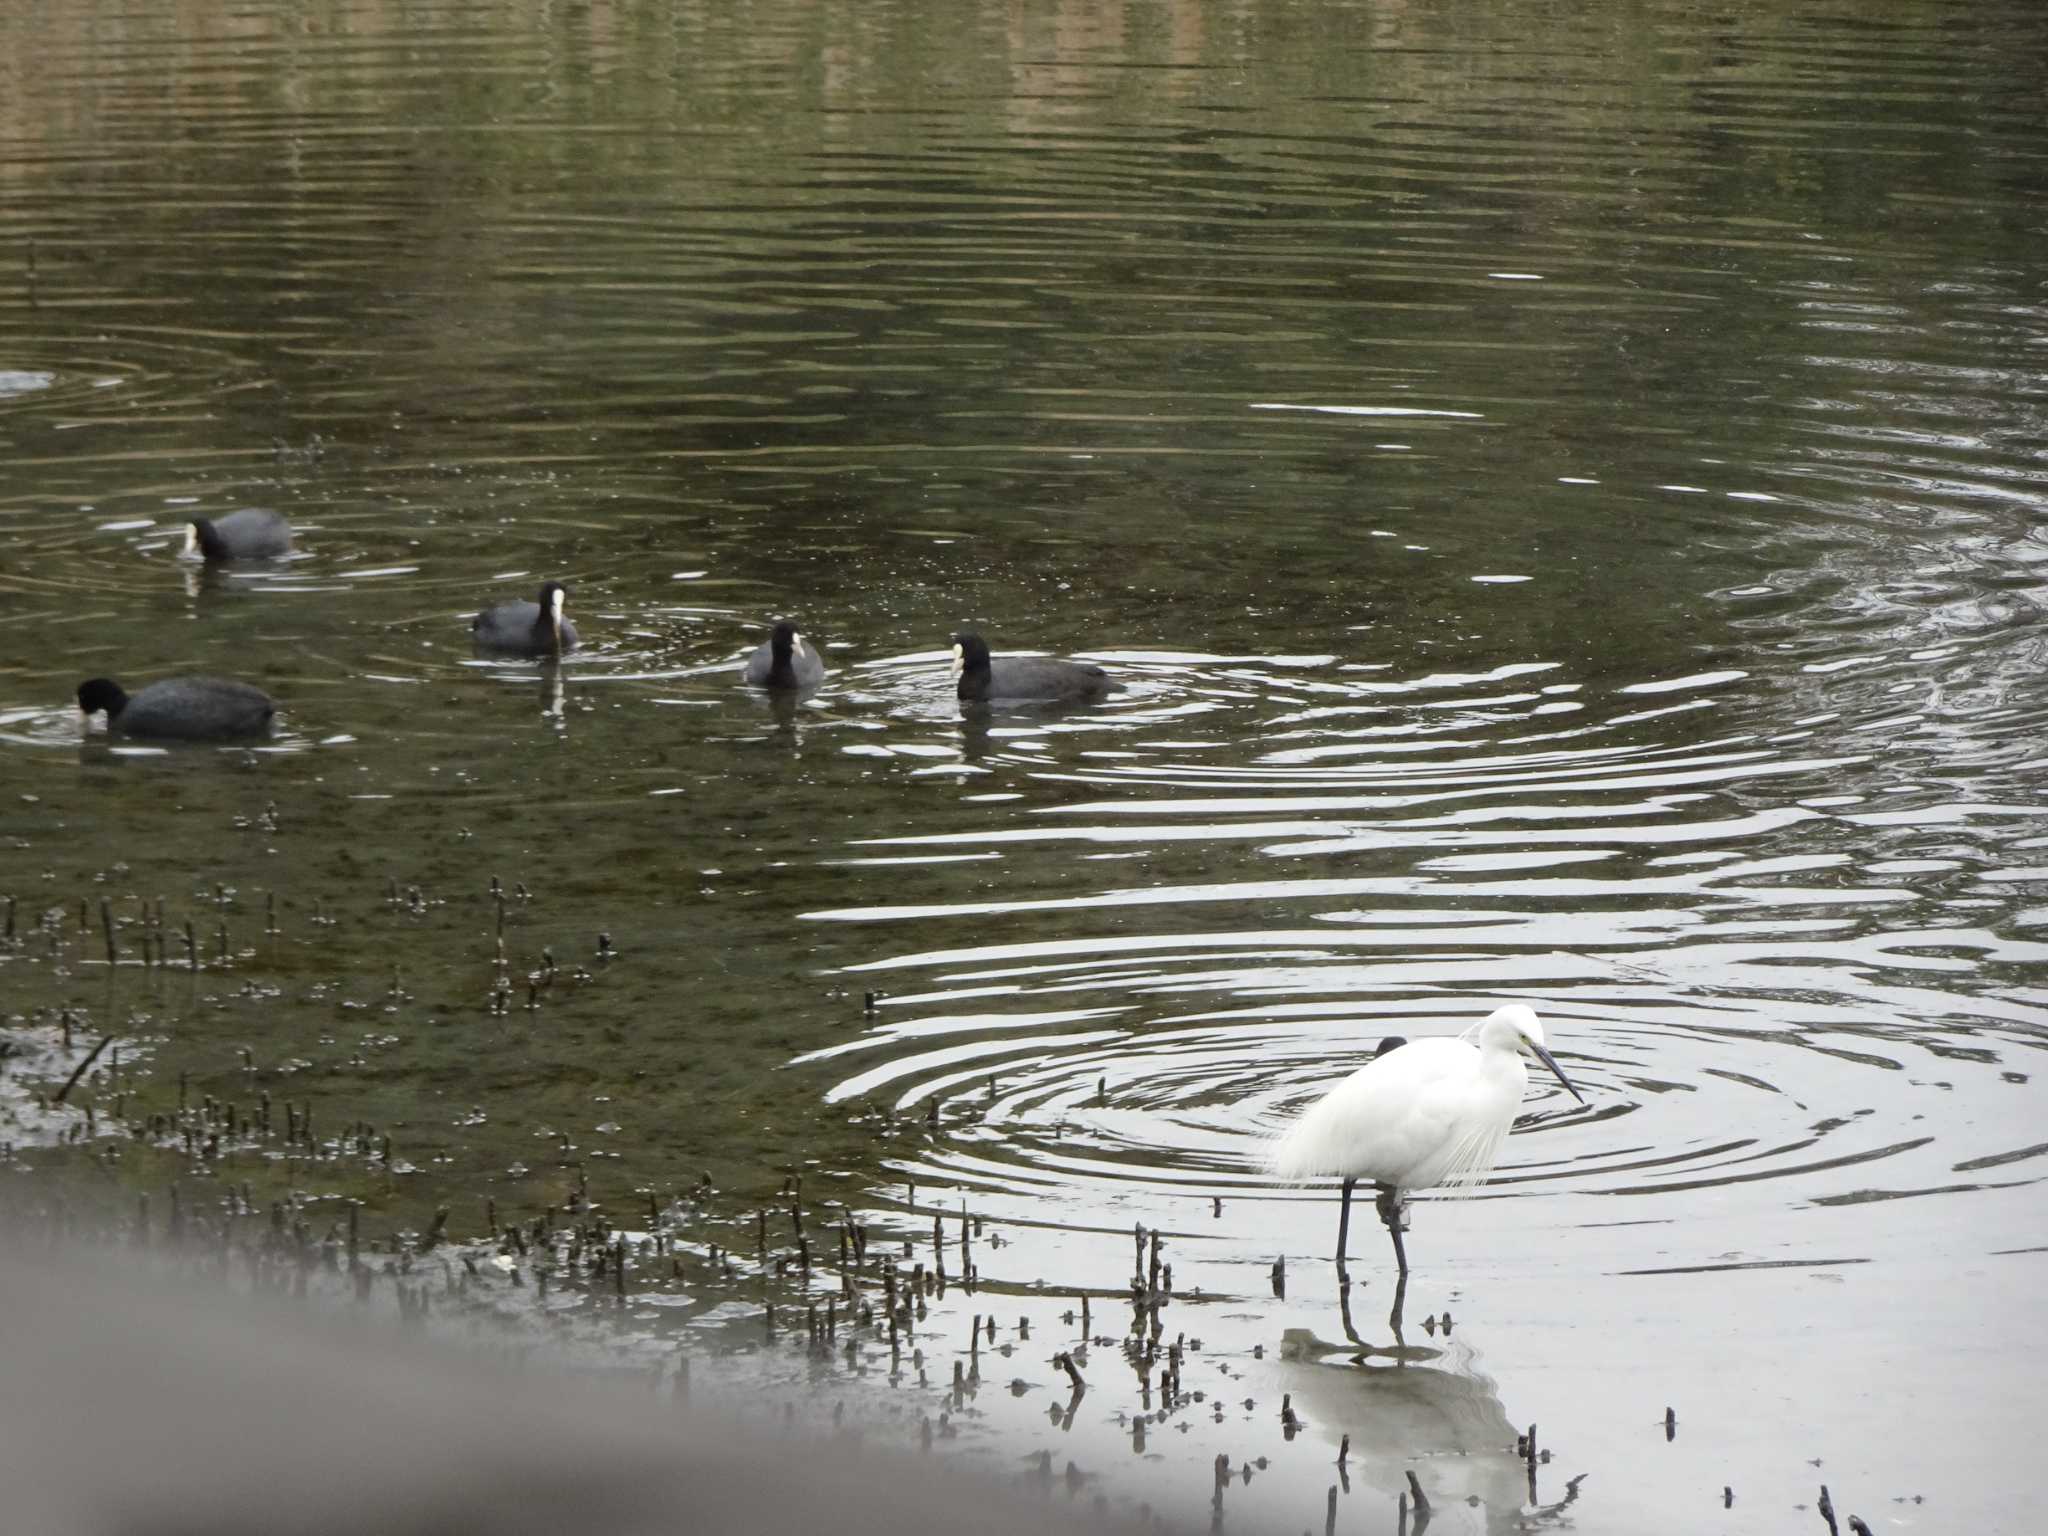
<point>1503,1064</point>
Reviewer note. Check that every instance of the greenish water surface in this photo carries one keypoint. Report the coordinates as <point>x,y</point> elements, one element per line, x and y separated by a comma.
<point>1562,489</point>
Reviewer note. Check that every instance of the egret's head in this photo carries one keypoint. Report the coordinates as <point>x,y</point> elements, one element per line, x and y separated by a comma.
<point>1516,1026</point>
<point>1520,1018</point>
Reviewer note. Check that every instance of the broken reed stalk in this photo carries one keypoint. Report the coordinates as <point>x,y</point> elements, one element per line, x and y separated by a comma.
<point>79,1071</point>
<point>1417,1496</point>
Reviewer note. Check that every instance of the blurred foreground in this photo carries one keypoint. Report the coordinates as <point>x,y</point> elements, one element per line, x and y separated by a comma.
<point>144,1405</point>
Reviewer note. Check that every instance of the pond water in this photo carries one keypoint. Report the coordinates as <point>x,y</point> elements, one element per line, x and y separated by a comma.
<point>1562,489</point>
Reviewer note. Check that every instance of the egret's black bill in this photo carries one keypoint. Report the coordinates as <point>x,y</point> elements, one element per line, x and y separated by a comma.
<point>1550,1061</point>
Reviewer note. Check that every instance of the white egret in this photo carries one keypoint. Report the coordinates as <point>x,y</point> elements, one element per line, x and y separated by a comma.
<point>1421,1114</point>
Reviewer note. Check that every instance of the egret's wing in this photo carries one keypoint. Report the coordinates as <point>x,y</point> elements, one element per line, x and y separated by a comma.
<point>1389,1121</point>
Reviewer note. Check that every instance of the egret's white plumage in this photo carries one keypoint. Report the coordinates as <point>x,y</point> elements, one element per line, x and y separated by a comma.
<point>1427,1114</point>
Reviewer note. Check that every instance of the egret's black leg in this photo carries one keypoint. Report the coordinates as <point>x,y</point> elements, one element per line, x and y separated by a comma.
<point>1394,1317</point>
<point>1344,1310</point>
<point>1389,1204</point>
<point>1344,1225</point>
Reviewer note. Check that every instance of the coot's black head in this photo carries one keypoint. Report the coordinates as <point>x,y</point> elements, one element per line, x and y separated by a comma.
<point>98,693</point>
<point>970,653</point>
<point>200,534</point>
<point>782,639</point>
<point>554,597</point>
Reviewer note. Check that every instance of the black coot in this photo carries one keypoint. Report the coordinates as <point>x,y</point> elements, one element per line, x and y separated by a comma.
<point>784,661</point>
<point>180,708</point>
<point>1022,678</point>
<point>253,533</point>
<point>527,629</point>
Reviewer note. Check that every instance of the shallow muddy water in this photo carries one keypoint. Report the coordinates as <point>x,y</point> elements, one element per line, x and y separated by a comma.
<point>1562,490</point>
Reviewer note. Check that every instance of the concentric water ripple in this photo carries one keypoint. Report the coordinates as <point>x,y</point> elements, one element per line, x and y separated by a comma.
<point>1779,968</point>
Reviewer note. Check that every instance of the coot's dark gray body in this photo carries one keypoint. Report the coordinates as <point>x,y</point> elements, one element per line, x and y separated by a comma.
<point>1023,679</point>
<point>181,708</point>
<point>785,661</point>
<point>527,629</point>
<point>253,533</point>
